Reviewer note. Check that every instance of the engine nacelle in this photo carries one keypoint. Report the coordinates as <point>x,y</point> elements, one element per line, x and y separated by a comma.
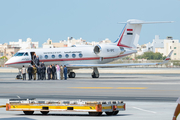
<point>108,50</point>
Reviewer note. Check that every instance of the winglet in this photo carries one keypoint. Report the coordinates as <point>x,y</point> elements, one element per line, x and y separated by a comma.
<point>167,58</point>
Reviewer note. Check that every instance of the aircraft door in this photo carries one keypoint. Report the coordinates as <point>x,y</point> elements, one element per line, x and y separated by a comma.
<point>32,59</point>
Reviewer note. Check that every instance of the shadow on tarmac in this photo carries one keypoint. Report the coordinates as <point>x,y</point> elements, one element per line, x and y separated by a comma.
<point>83,115</point>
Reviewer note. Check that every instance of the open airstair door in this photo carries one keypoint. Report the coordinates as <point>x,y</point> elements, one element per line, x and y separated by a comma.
<point>32,59</point>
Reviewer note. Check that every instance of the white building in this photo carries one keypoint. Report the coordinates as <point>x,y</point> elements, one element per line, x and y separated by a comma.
<point>163,46</point>
<point>25,44</point>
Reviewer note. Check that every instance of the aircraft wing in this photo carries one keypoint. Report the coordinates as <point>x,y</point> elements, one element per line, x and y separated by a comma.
<point>74,66</point>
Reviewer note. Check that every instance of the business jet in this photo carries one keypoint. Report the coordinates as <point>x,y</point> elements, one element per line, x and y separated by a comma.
<point>87,56</point>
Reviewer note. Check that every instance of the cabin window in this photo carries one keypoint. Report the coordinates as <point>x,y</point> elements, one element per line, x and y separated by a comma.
<point>19,54</point>
<point>53,56</point>
<point>73,55</point>
<point>60,56</point>
<point>26,54</point>
<point>80,55</point>
<point>46,56</point>
<point>66,55</point>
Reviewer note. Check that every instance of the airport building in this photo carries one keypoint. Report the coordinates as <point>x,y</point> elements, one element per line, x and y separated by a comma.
<point>28,44</point>
<point>163,46</point>
<point>8,51</point>
<point>72,41</point>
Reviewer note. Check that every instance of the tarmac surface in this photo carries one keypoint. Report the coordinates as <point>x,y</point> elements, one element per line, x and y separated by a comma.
<point>147,96</point>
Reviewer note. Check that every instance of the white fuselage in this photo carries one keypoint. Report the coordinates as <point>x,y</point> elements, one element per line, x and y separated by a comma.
<point>63,56</point>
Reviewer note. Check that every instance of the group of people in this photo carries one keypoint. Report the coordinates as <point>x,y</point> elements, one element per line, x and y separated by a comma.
<point>54,72</point>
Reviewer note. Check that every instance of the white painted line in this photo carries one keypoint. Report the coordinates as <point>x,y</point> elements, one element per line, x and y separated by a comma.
<point>144,110</point>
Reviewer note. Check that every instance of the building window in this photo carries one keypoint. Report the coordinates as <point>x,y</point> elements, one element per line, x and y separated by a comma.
<point>53,56</point>
<point>174,47</point>
<point>46,56</point>
<point>60,56</point>
<point>170,47</point>
<point>73,55</point>
<point>66,55</point>
<point>80,55</point>
<point>172,41</point>
<point>174,53</point>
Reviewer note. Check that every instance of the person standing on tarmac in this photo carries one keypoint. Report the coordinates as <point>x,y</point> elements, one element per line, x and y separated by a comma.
<point>37,60</point>
<point>39,72</point>
<point>61,71</point>
<point>53,72</point>
<point>49,72</point>
<point>23,72</point>
<point>58,72</point>
<point>65,72</point>
<point>177,110</point>
<point>34,72</point>
<point>44,67</point>
<point>29,70</point>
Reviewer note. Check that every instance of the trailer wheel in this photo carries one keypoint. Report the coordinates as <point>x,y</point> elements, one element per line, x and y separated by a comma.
<point>95,113</point>
<point>28,112</point>
<point>115,112</point>
<point>44,112</point>
<point>109,113</point>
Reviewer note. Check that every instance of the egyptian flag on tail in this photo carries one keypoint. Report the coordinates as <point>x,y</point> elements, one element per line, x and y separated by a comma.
<point>129,31</point>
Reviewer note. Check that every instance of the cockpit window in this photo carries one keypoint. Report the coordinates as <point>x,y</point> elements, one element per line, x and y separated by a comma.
<point>26,54</point>
<point>19,54</point>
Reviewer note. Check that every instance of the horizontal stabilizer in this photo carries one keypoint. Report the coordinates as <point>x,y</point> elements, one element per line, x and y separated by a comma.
<point>133,21</point>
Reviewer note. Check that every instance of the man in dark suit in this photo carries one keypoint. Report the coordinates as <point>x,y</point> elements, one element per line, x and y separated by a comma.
<point>30,70</point>
<point>53,72</point>
<point>39,72</point>
<point>37,60</point>
<point>49,72</point>
<point>65,72</point>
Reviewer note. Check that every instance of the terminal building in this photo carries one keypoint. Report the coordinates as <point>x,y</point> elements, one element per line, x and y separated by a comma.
<point>163,46</point>
<point>28,44</point>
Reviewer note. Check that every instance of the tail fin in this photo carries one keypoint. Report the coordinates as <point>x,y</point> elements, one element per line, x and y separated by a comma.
<point>129,37</point>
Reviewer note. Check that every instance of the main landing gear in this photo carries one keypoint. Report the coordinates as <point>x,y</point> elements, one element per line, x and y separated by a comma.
<point>71,74</point>
<point>95,73</point>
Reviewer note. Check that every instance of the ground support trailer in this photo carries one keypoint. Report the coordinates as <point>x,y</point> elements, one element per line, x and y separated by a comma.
<point>94,108</point>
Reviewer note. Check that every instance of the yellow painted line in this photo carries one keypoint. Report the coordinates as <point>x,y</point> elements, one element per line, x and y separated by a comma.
<point>131,88</point>
<point>93,87</point>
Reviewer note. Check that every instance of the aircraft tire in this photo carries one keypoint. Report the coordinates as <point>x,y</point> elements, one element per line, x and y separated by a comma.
<point>72,75</point>
<point>95,75</point>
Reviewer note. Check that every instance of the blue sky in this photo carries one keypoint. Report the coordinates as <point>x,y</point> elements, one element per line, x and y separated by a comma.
<point>93,20</point>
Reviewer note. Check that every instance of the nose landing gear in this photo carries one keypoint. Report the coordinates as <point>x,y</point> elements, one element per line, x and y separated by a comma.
<point>19,76</point>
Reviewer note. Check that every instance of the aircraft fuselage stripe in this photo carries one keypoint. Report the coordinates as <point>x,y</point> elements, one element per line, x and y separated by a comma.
<point>70,59</point>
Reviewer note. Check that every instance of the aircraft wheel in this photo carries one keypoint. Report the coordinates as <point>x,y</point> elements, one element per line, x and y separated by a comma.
<point>18,77</point>
<point>95,75</point>
<point>44,112</point>
<point>28,112</point>
<point>95,113</point>
<point>72,75</point>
